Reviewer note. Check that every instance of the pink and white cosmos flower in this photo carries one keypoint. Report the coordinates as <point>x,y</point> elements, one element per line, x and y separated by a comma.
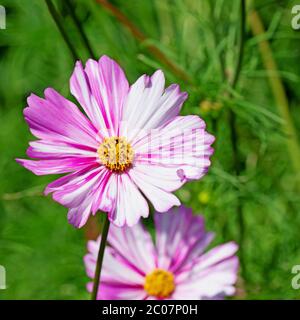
<point>130,144</point>
<point>175,267</point>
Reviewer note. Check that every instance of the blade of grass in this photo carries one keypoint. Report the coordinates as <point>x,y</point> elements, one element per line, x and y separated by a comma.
<point>216,41</point>
<point>57,19</point>
<point>278,90</point>
<point>80,29</point>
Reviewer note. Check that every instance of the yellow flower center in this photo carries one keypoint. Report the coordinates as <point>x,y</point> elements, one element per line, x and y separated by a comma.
<point>159,283</point>
<point>116,154</point>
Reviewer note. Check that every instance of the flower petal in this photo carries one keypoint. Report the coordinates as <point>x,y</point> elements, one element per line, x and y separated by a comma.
<point>213,275</point>
<point>78,216</point>
<point>113,271</point>
<point>182,144</point>
<point>80,192</point>
<point>163,177</point>
<point>216,255</point>
<point>134,246</point>
<point>76,191</point>
<point>57,119</point>
<point>56,166</point>
<point>101,88</point>
<point>43,149</point>
<point>130,205</point>
<point>109,292</point>
<point>120,279</point>
<point>180,238</point>
<point>149,106</point>
<point>162,200</point>
<point>68,138</point>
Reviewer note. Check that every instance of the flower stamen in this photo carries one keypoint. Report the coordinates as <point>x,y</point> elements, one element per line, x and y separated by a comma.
<point>159,283</point>
<point>116,154</point>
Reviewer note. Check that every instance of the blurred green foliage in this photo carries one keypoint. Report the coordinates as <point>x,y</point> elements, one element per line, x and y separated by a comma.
<point>40,250</point>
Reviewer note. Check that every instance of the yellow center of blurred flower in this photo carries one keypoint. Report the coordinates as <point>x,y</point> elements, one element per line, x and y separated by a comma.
<point>204,197</point>
<point>159,283</point>
<point>207,106</point>
<point>116,154</point>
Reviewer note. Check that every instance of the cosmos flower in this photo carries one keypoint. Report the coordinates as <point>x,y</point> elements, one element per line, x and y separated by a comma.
<point>175,267</point>
<point>130,144</point>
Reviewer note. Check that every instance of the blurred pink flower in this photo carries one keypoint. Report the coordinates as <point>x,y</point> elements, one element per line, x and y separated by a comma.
<point>175,268</point>
<point>130,145</point>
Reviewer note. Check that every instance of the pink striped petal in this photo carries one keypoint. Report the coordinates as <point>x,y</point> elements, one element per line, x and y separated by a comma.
<point>148,106</point>
<point>134,246</point>
<point>215,255</point>
<point>162,200</point>
<point>182,144</point>
<point>213,275</point>
<point>108,292</point>
<point>180,238</point>
<point>130,205</point>
<point>120,279</point>
<point>113,271</point>
<point>57,166</point>
<point>43,149</point>
<point>57,119</point>
<point>101,88</point>
<point>78,216</point>
<point>83,192</point>
<point>75,192</point>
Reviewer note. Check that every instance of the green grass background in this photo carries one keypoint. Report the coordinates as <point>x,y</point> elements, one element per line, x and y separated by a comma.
<point>41,252</point>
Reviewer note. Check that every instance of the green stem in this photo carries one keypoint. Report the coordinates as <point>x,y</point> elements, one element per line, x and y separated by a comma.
<point>60,26</point>
<point>237,163</point>
<point>100,258</point>
<point>238,68</point>
<point>80,29</point>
